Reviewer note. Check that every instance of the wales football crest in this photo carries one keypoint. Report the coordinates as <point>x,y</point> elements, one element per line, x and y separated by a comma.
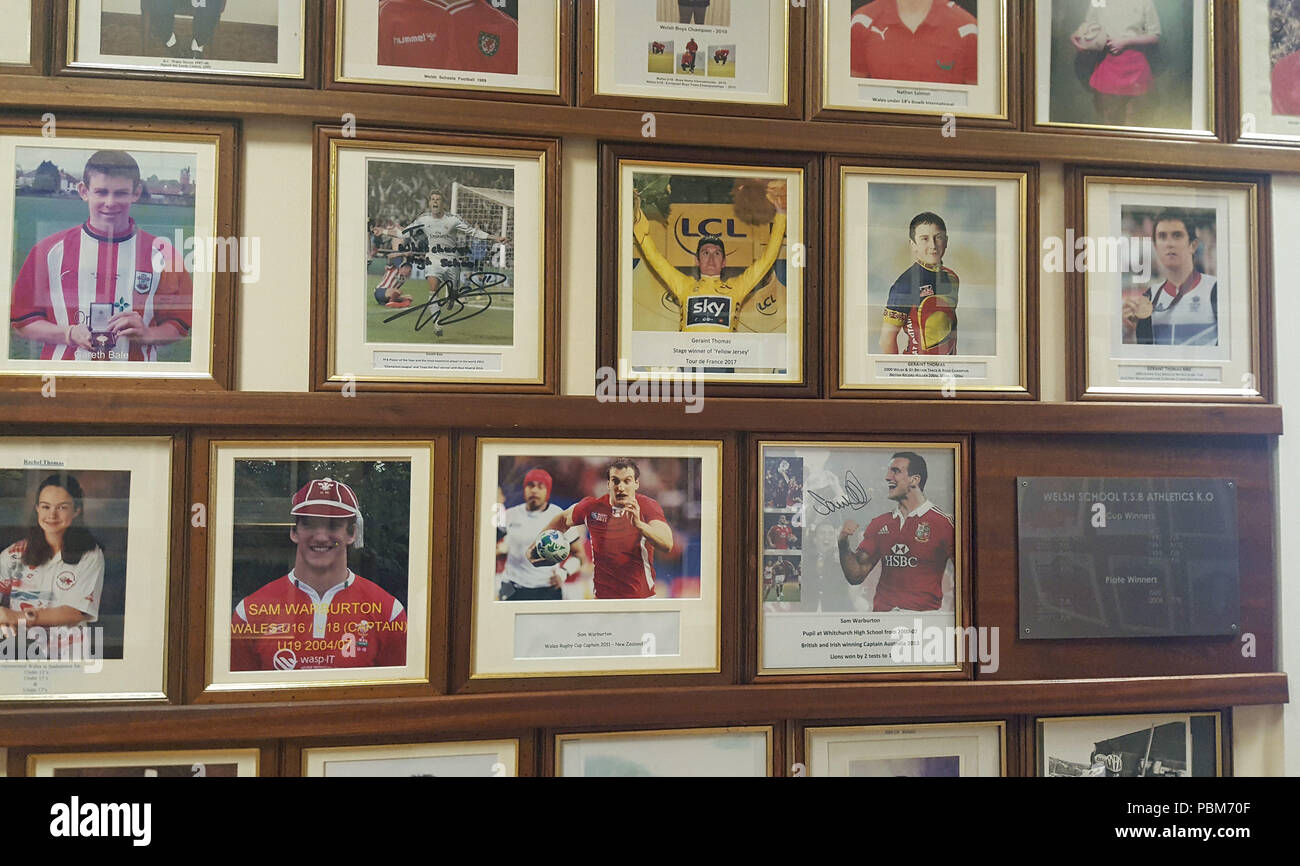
<point>489,43</point>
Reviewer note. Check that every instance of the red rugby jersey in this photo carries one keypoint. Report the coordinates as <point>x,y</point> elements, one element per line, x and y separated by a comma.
<point>70,270</point>
<point>462,35</point>
<point>286,625</point>
<point>624,560</point>
<point>944,49</point>
<point>914,553</point>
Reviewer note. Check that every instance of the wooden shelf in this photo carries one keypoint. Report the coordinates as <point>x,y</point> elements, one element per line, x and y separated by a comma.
<point>108,726</point>
<point>169,99</point>
<point>513,413</point>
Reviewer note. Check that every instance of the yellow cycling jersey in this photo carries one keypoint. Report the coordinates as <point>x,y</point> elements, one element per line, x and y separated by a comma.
<point>709,304</point>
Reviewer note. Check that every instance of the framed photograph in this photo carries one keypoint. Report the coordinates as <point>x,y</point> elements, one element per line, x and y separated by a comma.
<point>187,764</point>
<point>695,752</point>
<point>1269,79</point>
<point>1164,745</point>
<point>1169,275</point>
<point>924,751</point>
<point>466,48</point>
<point>709,282</point>
<point>934,270</point>
<point>910,57</point>
<point>121,253</point>
<point>1129,65</point>
<point>320,564</point>
<point>24,40</point>
<point>85,525</point>
<point>696,56</point>
<point>878,579</point>
<point>464,759</point>
<point>596,557</point>
<point>261,41</point>
<point>437,261</point>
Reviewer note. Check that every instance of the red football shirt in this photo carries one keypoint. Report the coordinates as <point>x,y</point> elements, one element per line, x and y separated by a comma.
<point>286,625</point>
<point>779,537</point>
<point>944,49</point>
<point>462,35</point>
<point>624,560</point>
<point>1286,85</point>
<point>70,270</point>
<point>914,553</point>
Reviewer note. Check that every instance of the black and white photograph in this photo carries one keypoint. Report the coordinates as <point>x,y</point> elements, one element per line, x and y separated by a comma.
<point>1160,746</point>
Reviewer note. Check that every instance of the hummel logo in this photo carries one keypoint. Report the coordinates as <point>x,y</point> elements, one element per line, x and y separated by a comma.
<point>901,549</point>
<point>880,31</point>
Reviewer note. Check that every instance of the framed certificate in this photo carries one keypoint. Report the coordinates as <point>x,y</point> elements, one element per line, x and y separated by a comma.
<point>176,764</point>
<point>596,557</point>
<point>320,566</point>
<point>924,751</point>
<point>26,35</point>
<point>438,261</point>
<point>943,59</point>
<point>714,56</point>
<point>484,49</point>
<point>1168,277</point>
<point>1167,745</point>
<point>86,525</point>
<point>860,558</point>
<point>935,270</point>
<point>157,200</point>
<point>1268,74</point>
<point>1127,66</point>
<point>709,281</point>
<point>263,41</point>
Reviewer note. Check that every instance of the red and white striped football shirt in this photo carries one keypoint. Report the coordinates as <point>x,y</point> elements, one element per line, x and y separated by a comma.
<point>70,270</point>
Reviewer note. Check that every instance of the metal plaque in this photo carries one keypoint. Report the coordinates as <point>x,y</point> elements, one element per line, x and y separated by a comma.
<point>1127,557</point>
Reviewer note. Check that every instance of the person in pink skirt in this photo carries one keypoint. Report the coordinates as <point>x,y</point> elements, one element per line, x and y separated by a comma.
<point>1122,30</point>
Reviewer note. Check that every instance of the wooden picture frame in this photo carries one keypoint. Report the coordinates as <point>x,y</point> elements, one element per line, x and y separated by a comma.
<point>1012,335</point>
<point>214,239</point>
<point>241,760</point>
<point>371,79</point>
<point>146,666</point>
<point>1209,75</point>
<point>1237,200</point>
<point>821,748</point>
<point>506,756</point>
<point>615,309</point>
<point>304,73</point>
<point>941,104</point>
<point>593,94</point>
<point>37,44</point>
<point>712,656</point>
<point>555,741</point>
<point>516,352</point>
<point>1140,752</point>
<point>206,682</point>
<point>816,536</point>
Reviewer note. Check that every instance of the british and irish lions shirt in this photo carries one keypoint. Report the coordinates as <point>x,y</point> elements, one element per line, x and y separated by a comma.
<point>286,625</point>
<point>461,35</point>
<point>624,561</point>
<point>914,553</point>
<point>70,270</point>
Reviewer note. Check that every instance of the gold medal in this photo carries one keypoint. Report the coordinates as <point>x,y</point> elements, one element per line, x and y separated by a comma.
<point>1143,309</point>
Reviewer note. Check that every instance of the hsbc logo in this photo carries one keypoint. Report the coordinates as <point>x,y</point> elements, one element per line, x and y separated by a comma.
<point>898,557</point>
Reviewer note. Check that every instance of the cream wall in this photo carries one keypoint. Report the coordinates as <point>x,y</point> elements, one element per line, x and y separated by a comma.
<point>274,326</point>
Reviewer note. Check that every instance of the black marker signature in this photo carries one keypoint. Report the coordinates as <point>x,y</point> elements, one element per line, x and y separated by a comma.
<point>479,281</point>
<point>854,497</point>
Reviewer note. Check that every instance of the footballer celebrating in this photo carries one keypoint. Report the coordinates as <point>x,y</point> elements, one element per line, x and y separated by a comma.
<point>712,302</point>
<point>913,544</point>
<point>923,300</point>
<point>626,529</point>
<point>320,615</point>
<point>523,581</point>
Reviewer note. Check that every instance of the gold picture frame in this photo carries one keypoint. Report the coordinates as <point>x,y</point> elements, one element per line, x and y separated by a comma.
<point>930,749</point>
<point>684,752</point>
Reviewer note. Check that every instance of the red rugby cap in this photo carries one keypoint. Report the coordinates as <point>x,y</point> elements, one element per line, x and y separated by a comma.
<point>325,497</point>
